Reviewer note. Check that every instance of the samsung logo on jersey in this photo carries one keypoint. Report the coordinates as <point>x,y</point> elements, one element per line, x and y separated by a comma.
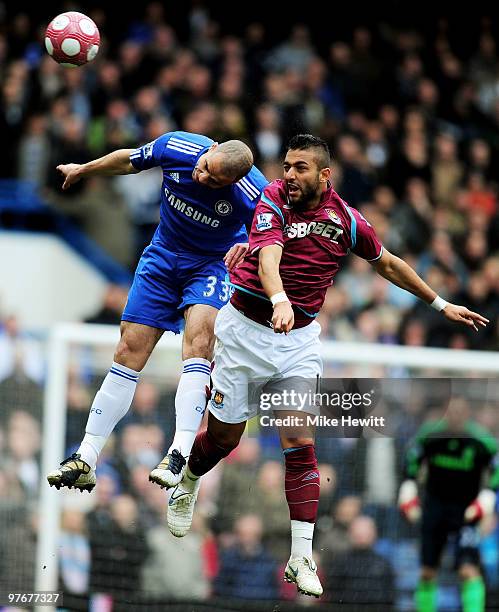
<point>300,230</point>
<point>190,211</point>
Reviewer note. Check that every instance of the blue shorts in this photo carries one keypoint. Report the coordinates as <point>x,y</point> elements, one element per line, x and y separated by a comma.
<point>165,283</point>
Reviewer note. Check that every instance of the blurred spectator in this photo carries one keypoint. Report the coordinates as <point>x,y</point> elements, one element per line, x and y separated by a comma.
<point>480,159</point>
<point>336,540</point>
<point>238,480</point>
<point>18,545</point>
<point>442,253</point>
<point>268,139</point>
<point>360,575</point>
<point>108,87</point>
<point>74,553</point>
<point>247,571</point>
<point>295,53</point>
<point>357,179</point>
<point>412,217</point>
<point>481,197</point>
<point>13,107</point>
<point>120,540</point>
<point>23,443</point>
<point>145,404</point>
<point>69,146</point>
<point>78,401</point>
<point>151,500</point>
<point>151,407</point>
<point>357,283</point>
<point>270,505</point>
<point>141,444</point>
<point>176,570</point>
<point>21,354</point>
<point>141,194</point>
<point>112,308</point>
<point>131,57</point>
<point>34,151</point>
<point>447,171</point>
<point>411,162</point>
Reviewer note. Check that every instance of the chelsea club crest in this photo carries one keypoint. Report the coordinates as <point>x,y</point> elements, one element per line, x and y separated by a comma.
<point>223,208</point>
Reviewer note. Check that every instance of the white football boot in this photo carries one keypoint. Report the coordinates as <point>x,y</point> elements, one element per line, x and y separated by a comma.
<point>170,471</point>
<point>303,572</point>
<point>181,507</point>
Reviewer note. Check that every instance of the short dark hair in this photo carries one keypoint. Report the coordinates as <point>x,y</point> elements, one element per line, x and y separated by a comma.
<point>307,141</point>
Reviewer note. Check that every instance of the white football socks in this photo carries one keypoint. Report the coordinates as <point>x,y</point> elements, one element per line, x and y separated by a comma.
<point>110,405</point>
<point>302,534</point>
<point>190,403</point>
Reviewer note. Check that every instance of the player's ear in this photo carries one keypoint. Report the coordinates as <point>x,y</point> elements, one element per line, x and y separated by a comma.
<point>325,175</point>
<point>213,147</point>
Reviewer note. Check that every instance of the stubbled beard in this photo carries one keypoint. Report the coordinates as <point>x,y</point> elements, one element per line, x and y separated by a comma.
<point>308,193</point>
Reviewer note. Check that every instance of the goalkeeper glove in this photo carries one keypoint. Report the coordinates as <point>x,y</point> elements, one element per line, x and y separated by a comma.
<point>481,507</point>
<point>408,501</point>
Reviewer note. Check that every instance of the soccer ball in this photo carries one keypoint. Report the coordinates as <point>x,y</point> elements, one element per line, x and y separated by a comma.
<point>72,39</point>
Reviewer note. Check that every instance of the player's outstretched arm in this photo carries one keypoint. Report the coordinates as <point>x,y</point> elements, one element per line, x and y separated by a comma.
<point>398,272</point>
<point>269,259</point>
<point>117,162</point>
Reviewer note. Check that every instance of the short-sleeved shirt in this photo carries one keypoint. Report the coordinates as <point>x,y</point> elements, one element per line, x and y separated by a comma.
<point>456,462</point>
<point>315,243</point>
<point>195,218</point>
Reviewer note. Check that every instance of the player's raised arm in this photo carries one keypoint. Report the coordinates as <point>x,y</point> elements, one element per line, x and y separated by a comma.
<point>117,162</point>
<point>398,272</point>
<point>268,271</point>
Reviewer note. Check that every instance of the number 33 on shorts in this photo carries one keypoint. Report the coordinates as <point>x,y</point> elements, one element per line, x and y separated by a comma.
<point>222,286</point>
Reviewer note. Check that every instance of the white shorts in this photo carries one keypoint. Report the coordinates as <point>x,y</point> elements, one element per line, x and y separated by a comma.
<point>251,358</point>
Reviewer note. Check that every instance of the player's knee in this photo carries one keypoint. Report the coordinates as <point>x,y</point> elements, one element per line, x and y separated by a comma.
<point>130,354</point>
<point>298,442</point>
<point>226,439</point>
<point>468,571</point>
<point>200,346</point>
<point>428,573</point>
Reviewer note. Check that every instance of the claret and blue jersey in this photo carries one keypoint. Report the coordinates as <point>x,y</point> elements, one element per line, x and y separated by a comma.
<point>183,265</point>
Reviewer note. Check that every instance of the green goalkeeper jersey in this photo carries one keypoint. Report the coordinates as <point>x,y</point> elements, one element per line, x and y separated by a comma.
<point>458,464</point>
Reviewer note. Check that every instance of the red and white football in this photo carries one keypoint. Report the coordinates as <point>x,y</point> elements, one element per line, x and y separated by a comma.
<point>72,39</point>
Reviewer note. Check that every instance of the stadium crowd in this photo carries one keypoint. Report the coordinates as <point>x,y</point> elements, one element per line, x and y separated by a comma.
<point>115,543</point>
<point>411,118</point>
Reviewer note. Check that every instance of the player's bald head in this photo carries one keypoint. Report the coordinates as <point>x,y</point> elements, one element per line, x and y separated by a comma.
<point>235,158</point>
<point>319,148</point>
<point>223,164</point>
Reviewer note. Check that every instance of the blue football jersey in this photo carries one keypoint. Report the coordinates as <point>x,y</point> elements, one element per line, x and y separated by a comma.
<point>194,217</point>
